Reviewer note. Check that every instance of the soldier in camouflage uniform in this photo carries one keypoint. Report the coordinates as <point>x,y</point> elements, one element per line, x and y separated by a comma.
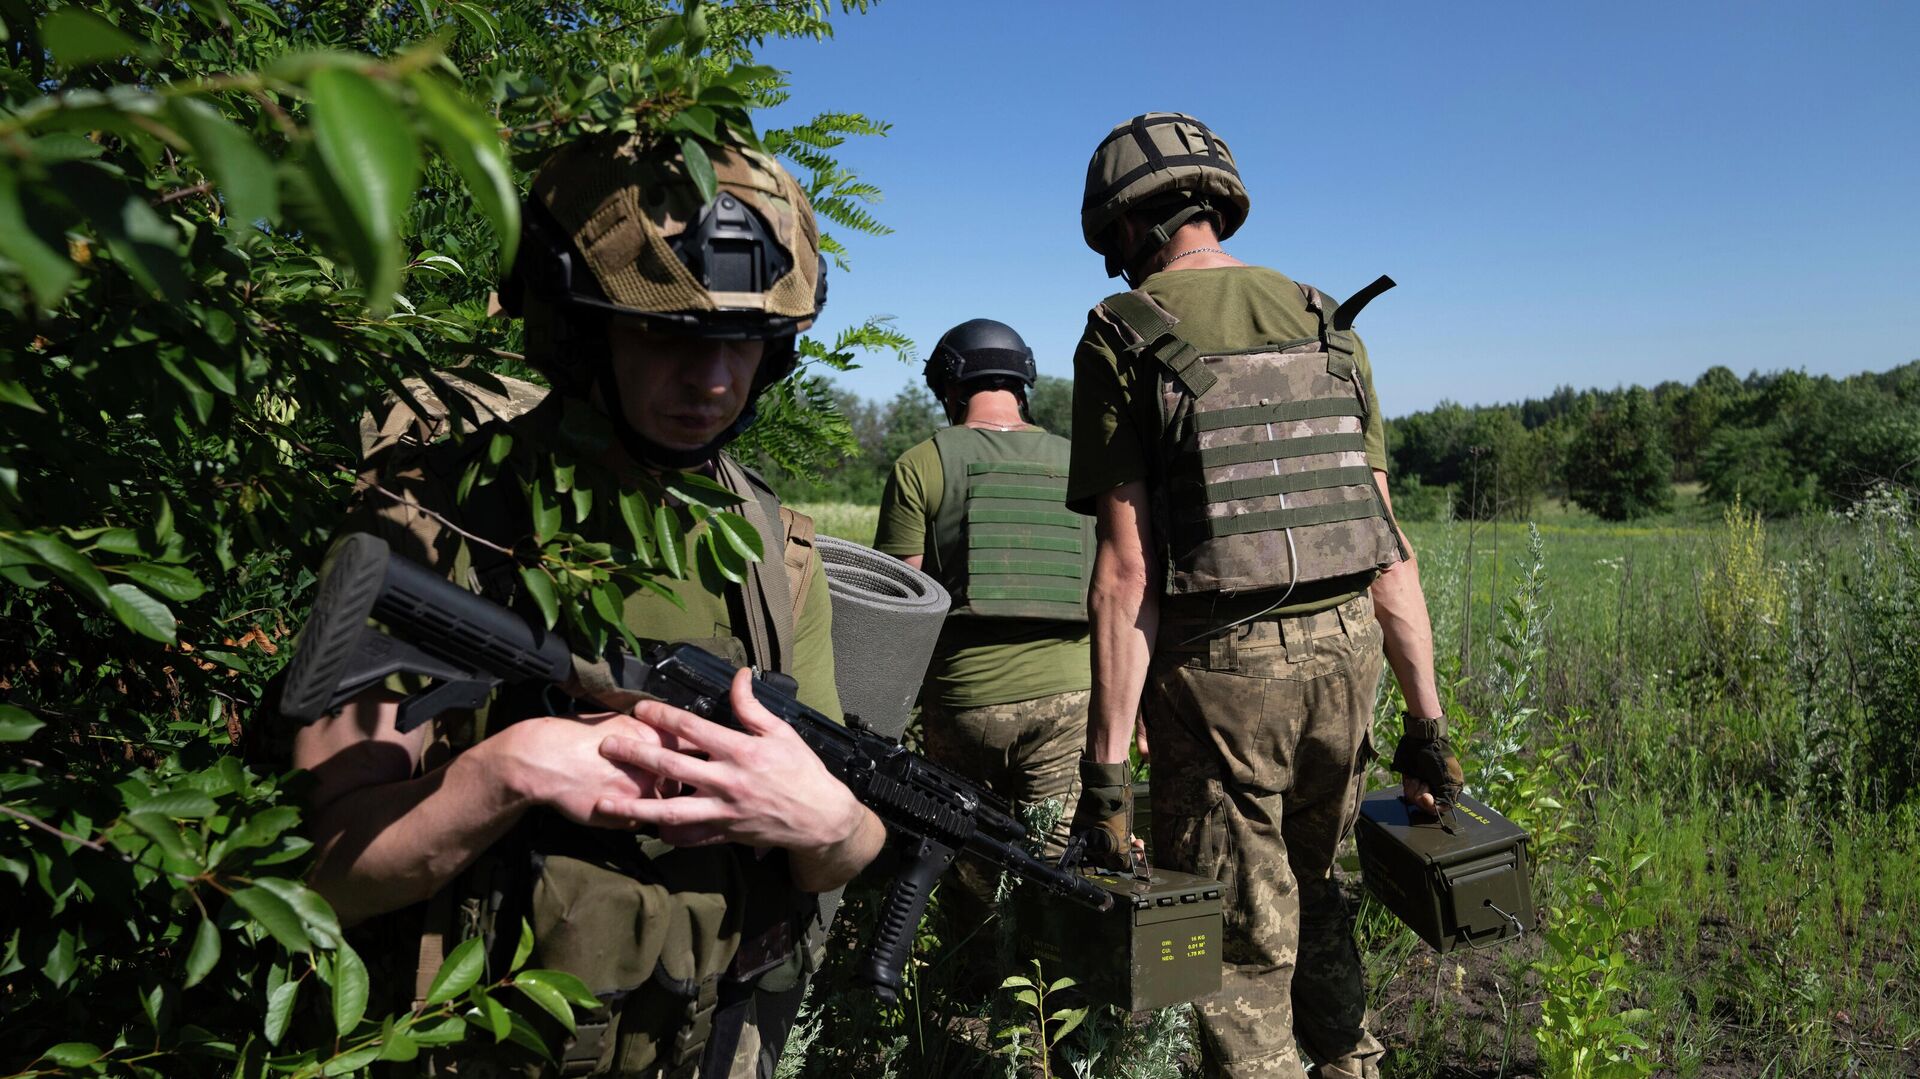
<point>659,315</point>
<point>1248,576</point>
<point>979,508</point>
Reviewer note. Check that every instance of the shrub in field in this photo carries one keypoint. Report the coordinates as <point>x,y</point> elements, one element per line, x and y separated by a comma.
<point>1885,594</point>
<point>1583,1032</point>
<point>1743,600</point>
<point>225,230</point>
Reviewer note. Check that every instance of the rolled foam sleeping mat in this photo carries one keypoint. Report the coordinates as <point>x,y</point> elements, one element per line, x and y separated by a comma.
<point>886,618</point>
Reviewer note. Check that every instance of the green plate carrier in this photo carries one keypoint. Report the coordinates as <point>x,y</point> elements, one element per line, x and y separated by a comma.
<point>1005,544</point>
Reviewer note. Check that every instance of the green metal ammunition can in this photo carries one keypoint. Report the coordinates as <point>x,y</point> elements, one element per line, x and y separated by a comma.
<point>1460,880</point>
<point>1158,945</point>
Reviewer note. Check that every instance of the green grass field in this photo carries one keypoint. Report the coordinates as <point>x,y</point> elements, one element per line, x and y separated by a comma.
<point>1725,710</point>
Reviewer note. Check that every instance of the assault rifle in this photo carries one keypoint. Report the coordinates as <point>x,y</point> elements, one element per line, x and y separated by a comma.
<point>466,646</point>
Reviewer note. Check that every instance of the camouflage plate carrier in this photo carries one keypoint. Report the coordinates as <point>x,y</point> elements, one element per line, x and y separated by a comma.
<point>1004,543</point>
<point>1266,481</point>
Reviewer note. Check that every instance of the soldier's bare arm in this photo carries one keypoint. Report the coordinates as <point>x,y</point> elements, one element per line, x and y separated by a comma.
<point>388,838</point>
<point>1124,605</point>
<point>760,786</point>
<point>1401,606</point>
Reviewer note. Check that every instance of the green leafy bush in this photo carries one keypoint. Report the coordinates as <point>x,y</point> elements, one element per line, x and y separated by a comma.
<point>226,230</point>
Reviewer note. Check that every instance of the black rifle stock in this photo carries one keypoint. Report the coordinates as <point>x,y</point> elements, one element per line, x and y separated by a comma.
<point>467,646</point>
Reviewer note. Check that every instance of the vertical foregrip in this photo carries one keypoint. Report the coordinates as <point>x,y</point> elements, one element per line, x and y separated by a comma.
<point>906,901</point>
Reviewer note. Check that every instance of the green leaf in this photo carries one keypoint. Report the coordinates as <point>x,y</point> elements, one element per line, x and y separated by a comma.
<point>62,959</point>
<point>175,804</point>
<point>540,587</point>
<point>77,37</point>
<point>634,511</point>
<point>68,565</point>
<point>48,271</point>
<point>14,394</point>
<point>204,953</point>
<point>74,1054</point>
<point>118,540</point>
<point>243,173</point>
<point>170,581</point>
<point>666,537</point>
<point>17,724</point>
<point>351,1062</point>
<point>349,989</point>
<point>458,974</point>
<point>471,141</point>
<point>1068,1021</point>
<point>739,534</point>
<point>566,984</point>
<point>143,614</point>
<point>280,1010</point>
<point>700,167</point>
<point>547,997</point>
<point>545,512</point>
<point>445,1032</point>
<point>497,1018</point>
<point>164,833</point>
<point>277,916</point>
<point>696,121</point>
<point>399,1045</point>
<point>373,164</point>
<point>524,948</point>
<point>263,828</point>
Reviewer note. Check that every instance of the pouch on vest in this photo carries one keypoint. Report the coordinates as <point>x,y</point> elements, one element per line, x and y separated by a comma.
<point>1004,543</point>
<point>1265,477</point>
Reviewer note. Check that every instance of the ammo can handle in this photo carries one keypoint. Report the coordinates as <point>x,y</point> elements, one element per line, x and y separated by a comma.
<point>906,901</point>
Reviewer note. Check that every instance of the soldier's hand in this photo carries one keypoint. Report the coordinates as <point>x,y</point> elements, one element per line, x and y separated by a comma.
<point>1431,779</point>
<point>1105,813</point>
<point>760,785</point>
<point>555,761</point>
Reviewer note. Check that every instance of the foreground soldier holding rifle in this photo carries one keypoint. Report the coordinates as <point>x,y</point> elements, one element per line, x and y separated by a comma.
<point>659,314</point>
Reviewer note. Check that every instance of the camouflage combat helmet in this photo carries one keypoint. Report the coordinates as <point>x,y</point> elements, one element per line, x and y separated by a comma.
<point>1159,161</point>
<point>978,348</point>
<point>616,226</point>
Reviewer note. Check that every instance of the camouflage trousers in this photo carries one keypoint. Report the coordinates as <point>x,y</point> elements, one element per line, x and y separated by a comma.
<point>1026,752</point>
<point>1259,740</point>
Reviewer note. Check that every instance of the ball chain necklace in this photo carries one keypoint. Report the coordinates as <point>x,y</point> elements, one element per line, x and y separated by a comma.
<point>1190,251</point>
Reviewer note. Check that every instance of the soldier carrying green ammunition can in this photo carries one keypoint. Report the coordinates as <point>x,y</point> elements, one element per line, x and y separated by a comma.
<point>1228,439</point>
<point>980,508</point>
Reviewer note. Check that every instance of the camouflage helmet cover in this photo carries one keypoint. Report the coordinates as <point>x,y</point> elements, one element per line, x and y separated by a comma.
<point>624,201</point>
<point>1151,157</point>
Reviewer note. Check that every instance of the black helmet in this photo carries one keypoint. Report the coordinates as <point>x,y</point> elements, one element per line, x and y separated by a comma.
<point>978,348</point>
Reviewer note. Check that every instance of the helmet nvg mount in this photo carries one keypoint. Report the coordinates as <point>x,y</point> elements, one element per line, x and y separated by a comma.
<point>616,227</point>
<point>1168,165</point>
<point>976,349</point>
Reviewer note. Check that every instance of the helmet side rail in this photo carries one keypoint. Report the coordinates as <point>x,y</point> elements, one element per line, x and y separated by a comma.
<point>466,646</point>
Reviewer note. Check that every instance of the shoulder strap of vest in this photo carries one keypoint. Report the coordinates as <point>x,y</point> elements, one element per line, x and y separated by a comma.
<point>769,602</point>
<point>1156,333</point>
<point>800,553</point>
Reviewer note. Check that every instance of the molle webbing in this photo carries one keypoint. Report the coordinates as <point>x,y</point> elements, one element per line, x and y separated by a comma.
<point>1003,541</point>
<point>1001,573</point>
<point>1242,453</point>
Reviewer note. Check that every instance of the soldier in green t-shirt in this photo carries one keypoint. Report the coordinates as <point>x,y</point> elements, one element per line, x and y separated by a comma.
<point>979,508</point>
<point>1249,573</point>
<point>669,863</point>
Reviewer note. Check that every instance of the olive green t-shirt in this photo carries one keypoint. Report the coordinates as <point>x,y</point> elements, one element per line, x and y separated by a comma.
<point>1117,409</point>
<point>977,661</point>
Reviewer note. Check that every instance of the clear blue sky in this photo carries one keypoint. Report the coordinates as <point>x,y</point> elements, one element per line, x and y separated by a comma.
<point>1596,194</point>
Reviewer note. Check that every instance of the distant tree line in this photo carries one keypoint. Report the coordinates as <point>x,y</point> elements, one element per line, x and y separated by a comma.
<point>1785,442</point>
